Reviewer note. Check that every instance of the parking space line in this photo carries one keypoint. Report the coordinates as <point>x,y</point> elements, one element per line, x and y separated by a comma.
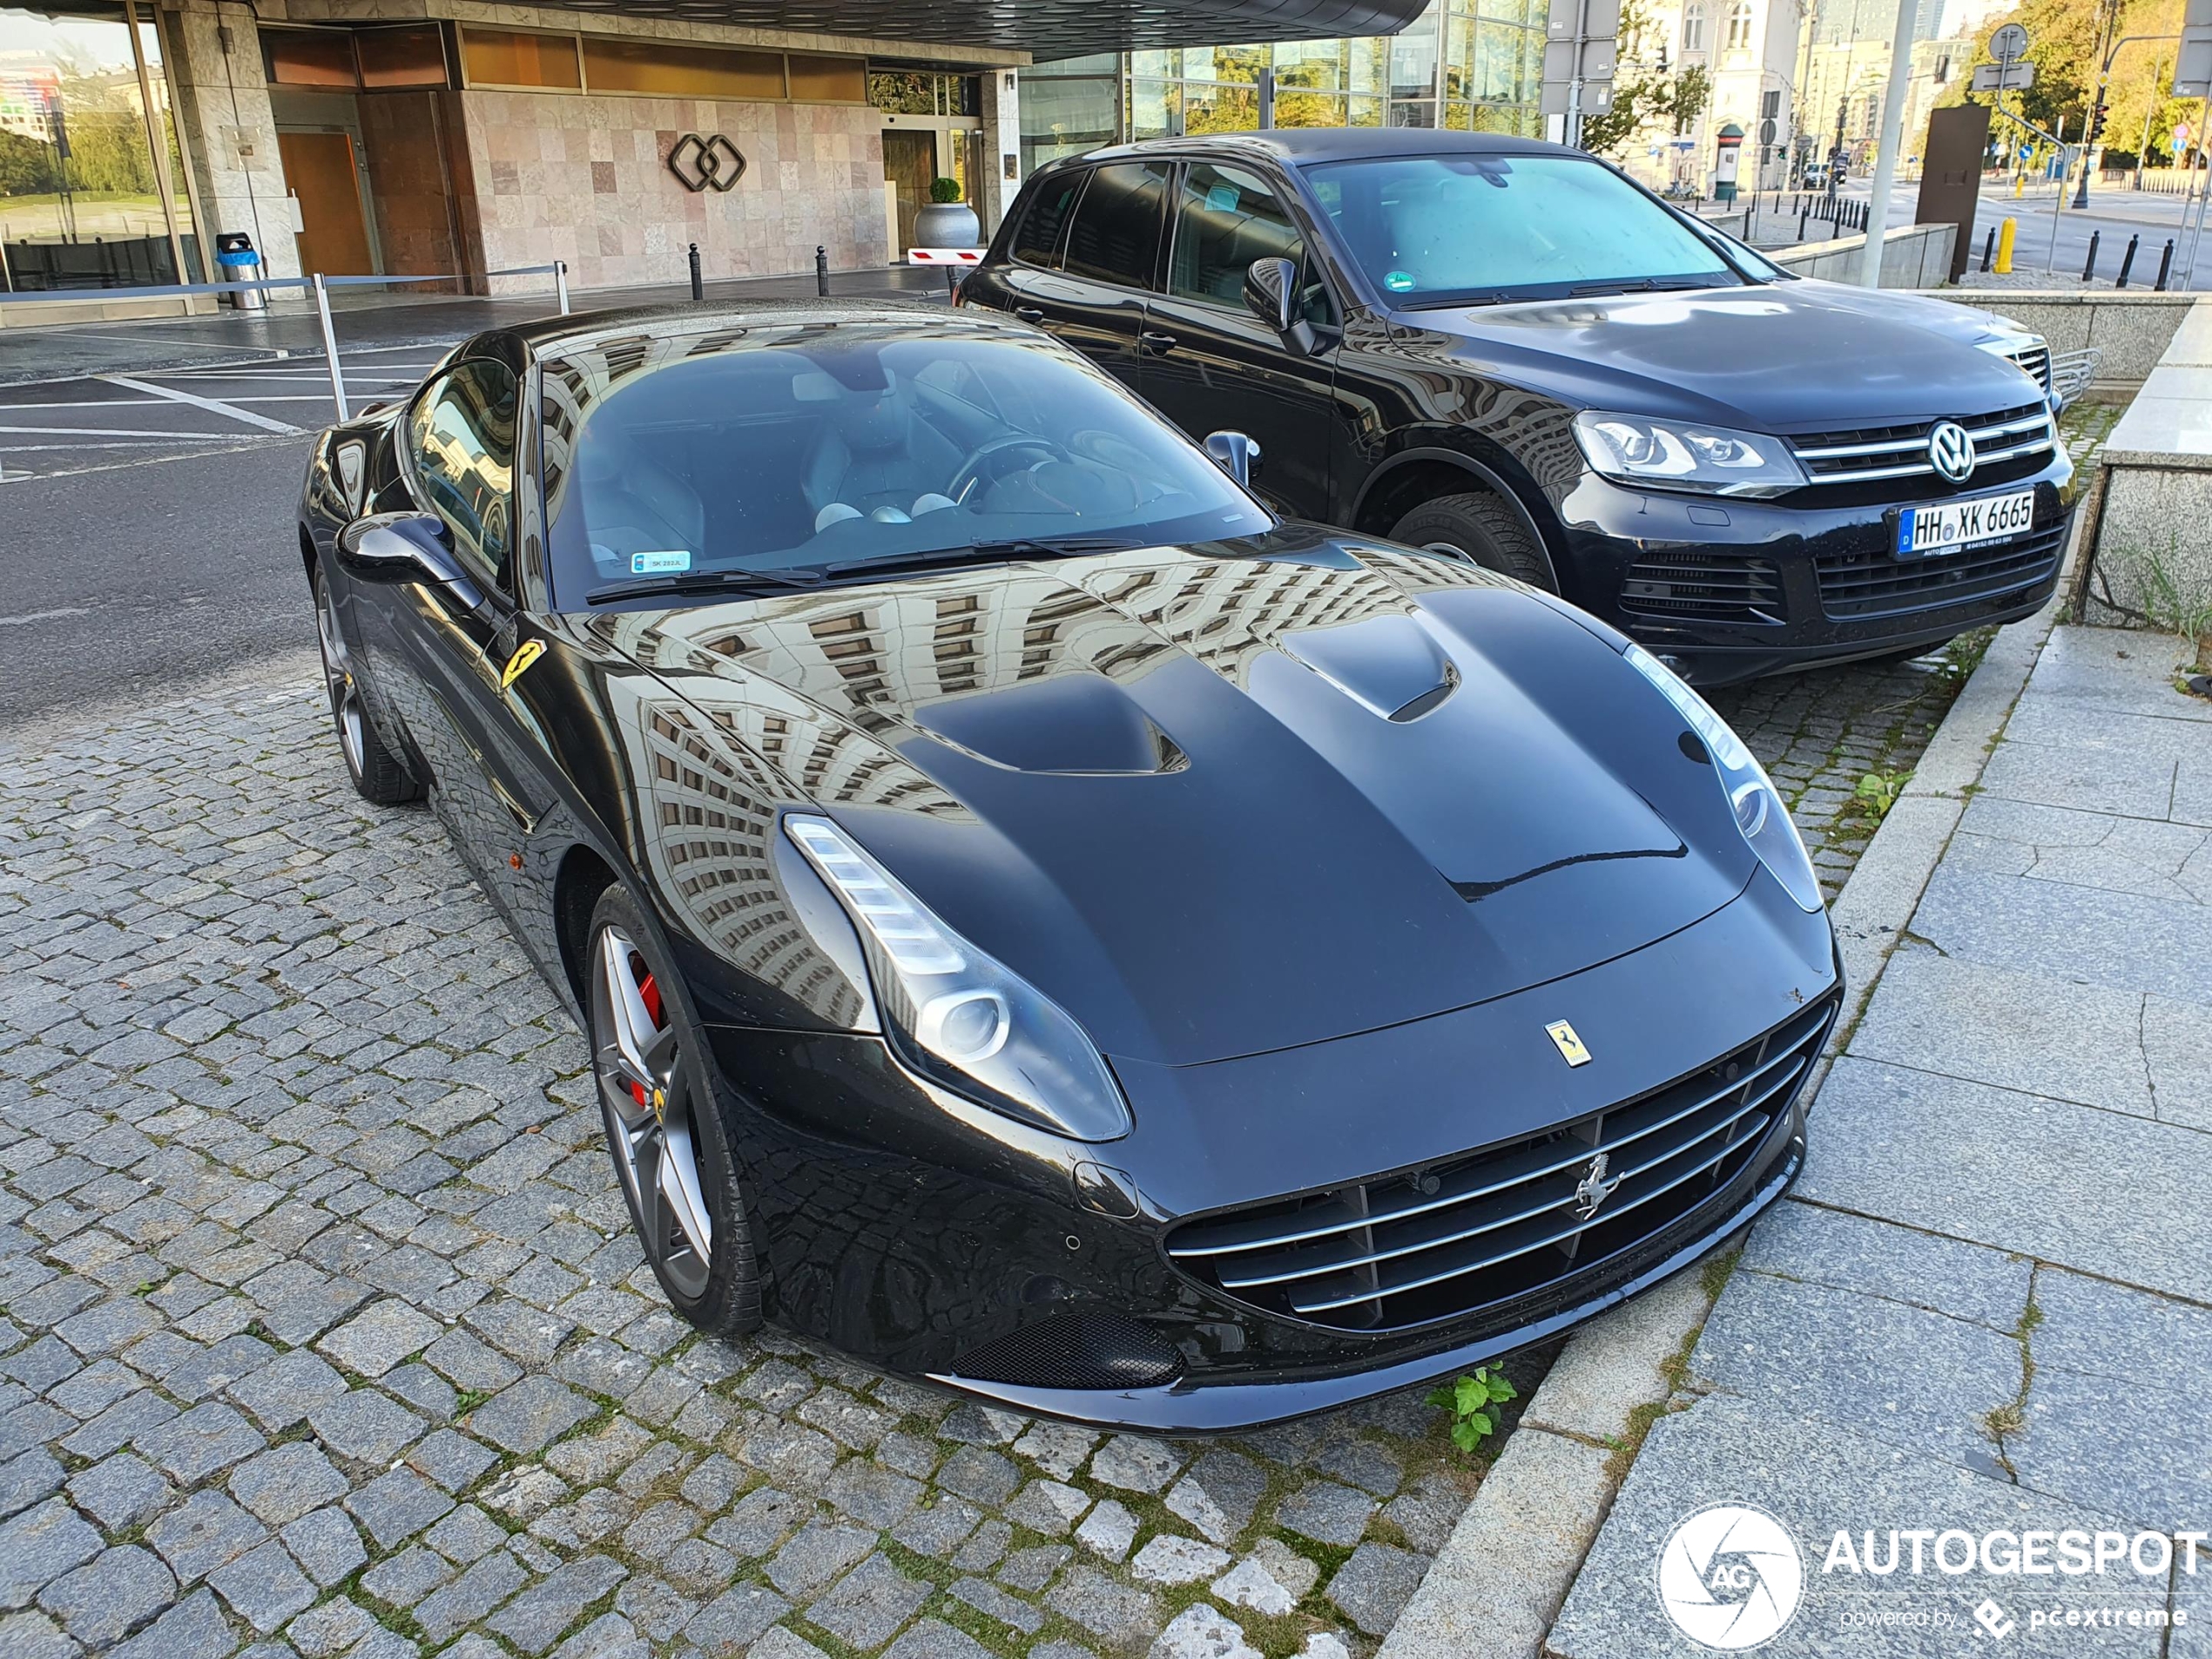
<point>268,424</point>
<point>135,432</point>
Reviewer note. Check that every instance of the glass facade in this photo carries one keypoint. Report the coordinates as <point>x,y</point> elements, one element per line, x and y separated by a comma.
<point>94,192</point>
<point>1473,65</point>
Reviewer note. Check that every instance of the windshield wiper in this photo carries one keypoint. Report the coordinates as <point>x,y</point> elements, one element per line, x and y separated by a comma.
<point>707,581</point>
<point>1644,285</point>
<point>982,553</point>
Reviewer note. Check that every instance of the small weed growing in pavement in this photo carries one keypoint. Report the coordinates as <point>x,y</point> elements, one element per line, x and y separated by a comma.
<point>1877,792</point>
<point>1963,655</point>
<point>1469,1399</point>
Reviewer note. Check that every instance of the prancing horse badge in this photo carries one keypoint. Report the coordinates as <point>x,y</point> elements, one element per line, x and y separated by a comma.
<point>530,651</point>
<point>1569,1046</point>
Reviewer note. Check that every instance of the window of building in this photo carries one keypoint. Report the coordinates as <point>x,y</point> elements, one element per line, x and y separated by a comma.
<point>826,80</point>
<point>679,69</point>
<point>94,191</point>
<point>1693,26</point>
<point>1739,26</point>
<point>1069,107</point>
<point>1116,236</point>
<point>508,57</point>
<point>461,436</point>
<point>309,57</point>
<point>1036,240</point>
<point>413,55</point>
<point>379,59</point>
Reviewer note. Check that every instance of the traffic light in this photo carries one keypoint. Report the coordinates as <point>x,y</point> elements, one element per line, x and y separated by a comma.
<point>2097,122</point>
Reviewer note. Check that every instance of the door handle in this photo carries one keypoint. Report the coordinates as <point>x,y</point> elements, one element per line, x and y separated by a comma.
<point>1028,314</point>
<point>1155,344</point>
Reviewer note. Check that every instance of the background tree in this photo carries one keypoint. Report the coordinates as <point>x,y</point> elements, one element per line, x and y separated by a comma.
<point>2065,37</point>
<point>1647,91</point>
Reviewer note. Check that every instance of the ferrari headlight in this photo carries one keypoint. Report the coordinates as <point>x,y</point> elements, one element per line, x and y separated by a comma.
<point>958,1016</point>
<point>1759,812</point>
<point>1673,455</point>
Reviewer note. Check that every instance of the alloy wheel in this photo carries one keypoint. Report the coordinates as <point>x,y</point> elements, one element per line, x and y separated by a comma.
<point>648,1109</point>
<point>338,681</point>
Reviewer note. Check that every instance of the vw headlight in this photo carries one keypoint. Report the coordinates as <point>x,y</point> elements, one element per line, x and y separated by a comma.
<point>956,1014</point>
<point>1759,812</point>
<point>1673,455</point>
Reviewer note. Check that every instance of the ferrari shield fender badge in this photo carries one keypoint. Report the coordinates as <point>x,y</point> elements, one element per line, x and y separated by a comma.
<point>527,653</point>
<point>1569,1046</point>
<point>1593,1189</point>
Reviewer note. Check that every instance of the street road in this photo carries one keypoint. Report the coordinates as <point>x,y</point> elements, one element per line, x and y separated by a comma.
<point>2114,213</point>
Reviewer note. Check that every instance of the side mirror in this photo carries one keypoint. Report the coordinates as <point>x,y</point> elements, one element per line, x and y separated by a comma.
<point>1233,452</point>
<point>1270,290</point>
<point>396,548</point>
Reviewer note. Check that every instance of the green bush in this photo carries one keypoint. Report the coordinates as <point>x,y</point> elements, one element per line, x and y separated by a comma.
<point>944,190</point>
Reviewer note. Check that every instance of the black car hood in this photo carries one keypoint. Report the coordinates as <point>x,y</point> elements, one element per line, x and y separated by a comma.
<point>1225,799</point>
<point>1786,356</point>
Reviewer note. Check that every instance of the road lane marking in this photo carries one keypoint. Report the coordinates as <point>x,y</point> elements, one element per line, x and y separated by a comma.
<point>133,432</point>
<point>268,424</point>
<point>30,617</point>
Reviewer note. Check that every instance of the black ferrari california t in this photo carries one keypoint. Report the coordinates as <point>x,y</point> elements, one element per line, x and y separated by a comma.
<point>1042,922</point>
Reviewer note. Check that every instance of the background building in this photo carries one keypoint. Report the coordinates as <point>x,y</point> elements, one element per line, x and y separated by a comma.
<point>1749,50</point>
<point>412,137</point>
<point>1472,65</point>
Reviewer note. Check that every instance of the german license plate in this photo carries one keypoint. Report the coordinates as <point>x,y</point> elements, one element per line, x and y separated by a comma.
<point>1949,526</point>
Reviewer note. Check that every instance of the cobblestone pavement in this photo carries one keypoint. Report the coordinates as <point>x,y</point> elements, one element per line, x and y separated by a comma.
<point>324,1322</point>
<point>321,1326</point>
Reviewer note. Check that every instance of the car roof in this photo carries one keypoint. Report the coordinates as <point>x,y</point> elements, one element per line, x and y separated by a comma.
<point>551,336</point>
<point>1304,146</point>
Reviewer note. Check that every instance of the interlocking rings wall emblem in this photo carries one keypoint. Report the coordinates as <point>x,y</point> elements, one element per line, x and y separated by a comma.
<point>701,164</point>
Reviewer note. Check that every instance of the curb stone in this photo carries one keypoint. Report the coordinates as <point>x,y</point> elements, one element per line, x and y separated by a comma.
<point>1502,1575</point>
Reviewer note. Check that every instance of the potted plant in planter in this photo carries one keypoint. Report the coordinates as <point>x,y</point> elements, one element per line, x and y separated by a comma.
<point>948,221</point>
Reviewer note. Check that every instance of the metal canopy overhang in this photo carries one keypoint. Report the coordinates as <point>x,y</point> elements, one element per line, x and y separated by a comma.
<point>1044,29</point>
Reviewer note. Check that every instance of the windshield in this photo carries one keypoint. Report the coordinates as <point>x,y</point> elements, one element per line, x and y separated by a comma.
<point>806,449</point>
<point>1445,230</point>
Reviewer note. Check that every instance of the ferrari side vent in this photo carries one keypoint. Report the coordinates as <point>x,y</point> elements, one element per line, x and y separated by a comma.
<point>1452,1237</point>
<point>1077,1350</point>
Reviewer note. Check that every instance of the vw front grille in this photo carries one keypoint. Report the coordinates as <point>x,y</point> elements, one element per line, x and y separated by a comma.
<point>1684,586</point>
<point>1452,1237</point>
<point>1867,454</point>
<point>1874,584</point>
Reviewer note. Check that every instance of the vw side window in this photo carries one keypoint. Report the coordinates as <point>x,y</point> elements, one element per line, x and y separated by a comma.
<point>1224,219</point>
<point>461,437</point>
<point>1036,240</point>
<point>1116,237</point>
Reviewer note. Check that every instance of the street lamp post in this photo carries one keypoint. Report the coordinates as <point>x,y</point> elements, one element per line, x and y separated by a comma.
<point>2095,128</point>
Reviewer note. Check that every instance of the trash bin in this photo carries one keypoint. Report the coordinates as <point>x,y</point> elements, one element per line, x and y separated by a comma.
<point>236,260</point>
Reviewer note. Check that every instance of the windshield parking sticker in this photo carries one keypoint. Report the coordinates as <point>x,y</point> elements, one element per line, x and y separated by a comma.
<point>1398,281</point>
<point>661,562</point>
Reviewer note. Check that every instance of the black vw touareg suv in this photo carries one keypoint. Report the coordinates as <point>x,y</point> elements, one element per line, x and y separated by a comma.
<point>1510,351</point>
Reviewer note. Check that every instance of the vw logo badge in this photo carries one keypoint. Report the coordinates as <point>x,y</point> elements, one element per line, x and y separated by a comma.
<point>702,164</point>
<point>1950,450</point>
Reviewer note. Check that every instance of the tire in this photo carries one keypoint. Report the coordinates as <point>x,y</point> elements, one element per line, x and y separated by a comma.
<point>378,774</point>
<point>665,1129</point>
<point>1479,528</point>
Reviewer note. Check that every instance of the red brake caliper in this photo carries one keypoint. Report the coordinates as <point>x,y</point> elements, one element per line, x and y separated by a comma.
<point>649,993</point>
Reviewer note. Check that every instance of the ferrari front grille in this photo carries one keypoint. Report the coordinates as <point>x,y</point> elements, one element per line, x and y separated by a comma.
<point>1446,1240</point>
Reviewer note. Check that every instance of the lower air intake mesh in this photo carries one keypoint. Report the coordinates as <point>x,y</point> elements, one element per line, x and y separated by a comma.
<point>1077,1350</point>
